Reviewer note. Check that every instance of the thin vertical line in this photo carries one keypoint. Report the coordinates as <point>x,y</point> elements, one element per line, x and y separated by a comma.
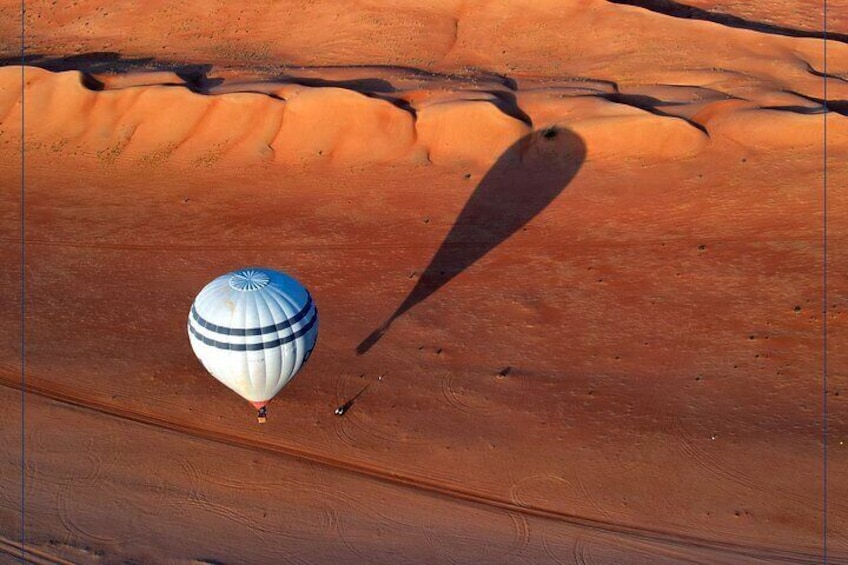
<point>824,294</point>
<point>23,298</point>
<point>23,303</point>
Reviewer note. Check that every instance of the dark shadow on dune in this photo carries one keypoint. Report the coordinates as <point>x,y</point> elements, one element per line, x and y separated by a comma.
<point>383,89</point>
<point>507,103</point>
<point>370,87</point>
<point>195,76</point>
<point>362,85</point>
<point>522,183</point>
<point>651,105</point>
<point>406,72</point>
<point>814,72</point>
<point>642,101</point>
<point>677,10</point>
<point>837,106</point>
<point>797,109</point>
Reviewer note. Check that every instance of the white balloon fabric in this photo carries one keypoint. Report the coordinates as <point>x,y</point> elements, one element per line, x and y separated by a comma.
<point>253,330</point>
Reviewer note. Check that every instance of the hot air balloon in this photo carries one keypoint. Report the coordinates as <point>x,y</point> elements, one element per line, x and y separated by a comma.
<point>253,329</point>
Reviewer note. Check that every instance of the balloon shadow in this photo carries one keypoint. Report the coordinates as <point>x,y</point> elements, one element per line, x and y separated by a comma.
<point>526,178</point>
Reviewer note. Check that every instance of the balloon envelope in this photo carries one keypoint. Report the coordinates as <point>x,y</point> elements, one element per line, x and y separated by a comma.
<point>253,330</point>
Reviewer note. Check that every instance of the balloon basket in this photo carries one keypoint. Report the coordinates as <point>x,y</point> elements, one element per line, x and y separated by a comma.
<point>262,413</point>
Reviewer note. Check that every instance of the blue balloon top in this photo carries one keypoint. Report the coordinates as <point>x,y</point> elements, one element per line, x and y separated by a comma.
<point>252,298</point>
<point>249,279</point>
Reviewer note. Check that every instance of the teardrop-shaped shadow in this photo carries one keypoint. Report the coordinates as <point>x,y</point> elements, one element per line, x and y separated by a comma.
<point>526,178</point>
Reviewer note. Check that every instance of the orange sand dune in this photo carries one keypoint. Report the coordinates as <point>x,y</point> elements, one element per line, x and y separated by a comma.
<point>574,249</point>
<point>338,125</point>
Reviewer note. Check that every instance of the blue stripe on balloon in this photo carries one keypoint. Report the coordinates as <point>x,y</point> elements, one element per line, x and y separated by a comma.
<point>284,325</point>
<point>256,346</point>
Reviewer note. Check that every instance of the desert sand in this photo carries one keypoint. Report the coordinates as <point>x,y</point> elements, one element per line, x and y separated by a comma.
<point>595,227</point>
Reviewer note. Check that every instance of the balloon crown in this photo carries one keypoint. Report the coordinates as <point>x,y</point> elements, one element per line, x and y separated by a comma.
<point>248,280</point>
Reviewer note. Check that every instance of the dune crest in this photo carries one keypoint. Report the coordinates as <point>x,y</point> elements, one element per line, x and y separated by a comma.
<point>154,117</point>
<point>470,130</point>
<point>343,125</point>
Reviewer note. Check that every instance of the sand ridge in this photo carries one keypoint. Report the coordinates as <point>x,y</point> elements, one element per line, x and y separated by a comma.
<point>647,80</point>
<point>154,116</point>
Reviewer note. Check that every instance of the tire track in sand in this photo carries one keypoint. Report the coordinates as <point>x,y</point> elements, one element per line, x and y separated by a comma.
<point>724,474</point>
<point>472,400</point>
<point>30,555</point>
<point>354,425</point>
<point>200,502</point>
<point>547,487</point>
<point>600,549</point>
<point>372,517</point>
<point>491,552</point>
<point>69,397</point>
<point>86,522</point>
<point>582,553</point>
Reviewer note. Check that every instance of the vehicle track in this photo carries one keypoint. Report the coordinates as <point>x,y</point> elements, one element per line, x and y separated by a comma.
<point>29,555</point>
<point>468,394</point>
<point>189,247</point>
<point>464,403</point>
<point>353,426</point>
<point>67,397</point>
<point>541,244</point>
<point>520,498</point>
<point>549,551</point>
<point>722,473</point>
<point>198,501</point>
<point>337,505</point>
<point>211,474</point>
<point>506,549</point>
<point>582,552</point>
<point>77,526</point>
